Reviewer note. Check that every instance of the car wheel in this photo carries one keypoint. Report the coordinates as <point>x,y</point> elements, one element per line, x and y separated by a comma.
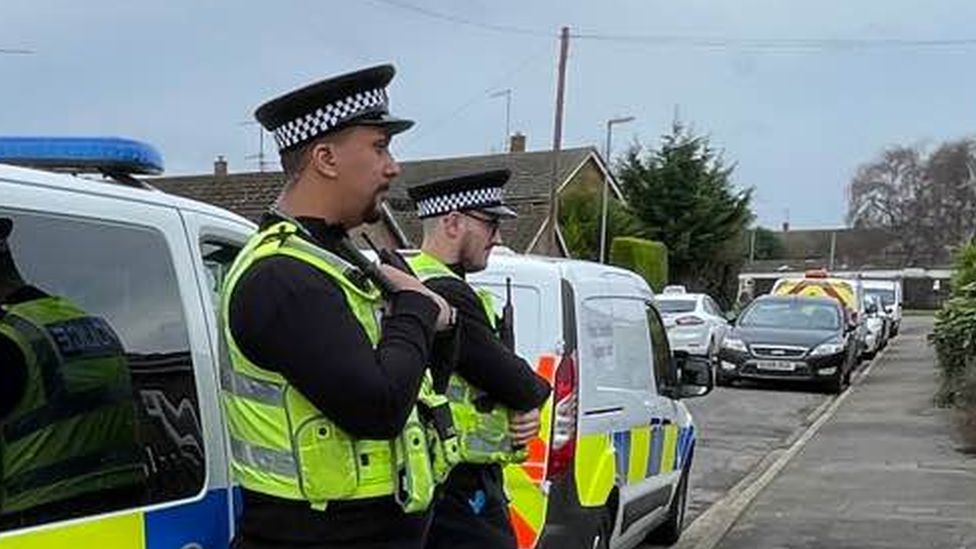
<point>669,531</point>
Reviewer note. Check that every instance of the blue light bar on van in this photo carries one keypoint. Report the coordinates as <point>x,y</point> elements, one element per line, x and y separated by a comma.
<point>106,155</point>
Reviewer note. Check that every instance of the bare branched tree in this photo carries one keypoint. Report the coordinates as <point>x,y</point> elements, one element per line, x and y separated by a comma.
<point>928,202</point>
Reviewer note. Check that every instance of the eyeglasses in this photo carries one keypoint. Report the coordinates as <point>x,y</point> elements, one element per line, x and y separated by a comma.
<point>492,222</point>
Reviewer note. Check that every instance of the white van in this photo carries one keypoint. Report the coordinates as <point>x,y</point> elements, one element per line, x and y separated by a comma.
<point>144,264</point>
<point>614,464</point>
<point>890,292</point>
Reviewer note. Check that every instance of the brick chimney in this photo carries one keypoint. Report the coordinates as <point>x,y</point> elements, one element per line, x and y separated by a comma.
<point>517,143</point>
<point>220,168</point>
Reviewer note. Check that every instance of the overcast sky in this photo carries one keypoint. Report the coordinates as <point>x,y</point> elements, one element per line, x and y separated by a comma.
<point>797,121</point>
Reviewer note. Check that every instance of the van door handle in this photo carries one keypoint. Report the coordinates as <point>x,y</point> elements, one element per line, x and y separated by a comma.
<point>603,411</point>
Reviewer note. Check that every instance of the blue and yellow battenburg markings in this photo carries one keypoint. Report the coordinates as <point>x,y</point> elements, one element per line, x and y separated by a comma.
<point>205,522</point>
<point>656,449</point>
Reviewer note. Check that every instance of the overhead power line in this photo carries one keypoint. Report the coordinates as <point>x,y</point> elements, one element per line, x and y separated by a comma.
<point>15,51</point>
<point>704,42</point>
<point>464,21</point>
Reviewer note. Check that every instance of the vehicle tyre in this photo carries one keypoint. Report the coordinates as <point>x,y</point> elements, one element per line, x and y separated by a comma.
<point>722,380</point>
<point>669,531</point>
<point>604,529</point>
<point>835,385</point>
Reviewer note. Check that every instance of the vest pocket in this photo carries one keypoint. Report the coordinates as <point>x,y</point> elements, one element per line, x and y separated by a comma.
<point>326,461</point>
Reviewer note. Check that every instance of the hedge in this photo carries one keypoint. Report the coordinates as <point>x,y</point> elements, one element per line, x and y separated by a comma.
<point>647,258</point>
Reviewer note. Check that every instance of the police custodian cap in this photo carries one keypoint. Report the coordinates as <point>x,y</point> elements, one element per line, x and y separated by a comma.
<point>354,99</point>
<point>480,191</point>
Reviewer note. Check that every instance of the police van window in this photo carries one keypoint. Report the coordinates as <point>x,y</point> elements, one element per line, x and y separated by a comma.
<point>618,343</point>
<point>106,414</point>
<point>663,372</point>
<point>217,258</point>
<point>529,317</point>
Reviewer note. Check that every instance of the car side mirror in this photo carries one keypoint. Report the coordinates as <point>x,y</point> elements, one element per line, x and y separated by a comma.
<point>871,309</point>
<point>731,317</point>
<point>695,376</point>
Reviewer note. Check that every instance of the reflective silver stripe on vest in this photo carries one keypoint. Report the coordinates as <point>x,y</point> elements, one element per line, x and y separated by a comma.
<point>247,387</point>
<point>264,459</point>
<point>478,444</point>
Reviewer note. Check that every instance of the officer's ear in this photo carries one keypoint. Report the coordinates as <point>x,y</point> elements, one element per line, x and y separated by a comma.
<point>453,225</point>
<point>323,159</point>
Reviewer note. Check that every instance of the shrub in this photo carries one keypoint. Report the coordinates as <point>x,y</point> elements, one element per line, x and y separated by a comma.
<point>645,257</point>
<point>954,338</point>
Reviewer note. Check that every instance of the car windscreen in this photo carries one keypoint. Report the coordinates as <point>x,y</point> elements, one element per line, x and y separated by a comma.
<point>792,315</point>
<point>675,305</point>
<point>887,296</point>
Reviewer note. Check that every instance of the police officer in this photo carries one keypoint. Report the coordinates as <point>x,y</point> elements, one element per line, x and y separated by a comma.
<point>321,385</point>
<point>494,395</point>
<point>68,429</point>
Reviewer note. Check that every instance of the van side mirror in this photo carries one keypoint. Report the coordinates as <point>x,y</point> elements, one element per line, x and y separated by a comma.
<point>695,376</point>
<point>871,308</point>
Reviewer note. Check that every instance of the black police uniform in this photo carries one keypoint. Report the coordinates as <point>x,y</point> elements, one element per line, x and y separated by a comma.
<point>289,317</point>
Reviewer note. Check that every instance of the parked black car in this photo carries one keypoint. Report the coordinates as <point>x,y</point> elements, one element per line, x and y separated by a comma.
<point>790,337</point>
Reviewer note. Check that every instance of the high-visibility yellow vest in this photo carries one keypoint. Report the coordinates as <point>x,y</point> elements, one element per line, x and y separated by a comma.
<point>74,431</point>
<point>483,431</point>
<point>282,445</point>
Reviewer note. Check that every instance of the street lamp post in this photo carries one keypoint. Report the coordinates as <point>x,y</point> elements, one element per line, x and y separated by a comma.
<point>606,188</point>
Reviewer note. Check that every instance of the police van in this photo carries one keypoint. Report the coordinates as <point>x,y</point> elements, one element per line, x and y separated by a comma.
<point>611,465</point>
<point>116,437</point>
<point>95,455</point>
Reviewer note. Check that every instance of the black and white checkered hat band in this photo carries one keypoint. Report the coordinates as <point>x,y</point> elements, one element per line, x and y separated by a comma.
<point>464,200</point>
<point>327,117</point>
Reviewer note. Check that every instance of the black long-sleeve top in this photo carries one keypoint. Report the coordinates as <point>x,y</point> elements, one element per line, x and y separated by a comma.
<point>486,363</point>
<point>482,359</point>
<point>289,317</point>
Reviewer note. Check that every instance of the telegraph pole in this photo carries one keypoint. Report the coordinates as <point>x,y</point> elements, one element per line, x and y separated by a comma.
<point>557,139</point>
<point>507,92</point>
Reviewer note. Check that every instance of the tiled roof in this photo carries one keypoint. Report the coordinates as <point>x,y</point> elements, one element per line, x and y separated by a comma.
<point>531,172</point>
<point>853,249</point>
<point>250,194</point>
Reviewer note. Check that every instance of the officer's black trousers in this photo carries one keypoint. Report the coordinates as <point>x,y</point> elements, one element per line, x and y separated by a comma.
<point>472,512</point>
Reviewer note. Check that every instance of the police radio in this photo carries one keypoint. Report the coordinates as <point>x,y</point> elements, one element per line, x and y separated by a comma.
<point>507,329</point>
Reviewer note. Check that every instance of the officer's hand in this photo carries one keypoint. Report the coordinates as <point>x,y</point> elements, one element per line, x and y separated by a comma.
<point>404,281</point>
<point>523,426</point>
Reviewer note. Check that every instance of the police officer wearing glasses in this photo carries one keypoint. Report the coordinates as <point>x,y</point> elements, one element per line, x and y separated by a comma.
<point>494,395</point>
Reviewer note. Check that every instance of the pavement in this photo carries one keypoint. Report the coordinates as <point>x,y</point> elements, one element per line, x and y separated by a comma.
<point>884,470</point>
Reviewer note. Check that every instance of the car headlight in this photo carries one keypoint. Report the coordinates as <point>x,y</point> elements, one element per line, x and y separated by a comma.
<point>734,344</point>
<point>827,348</point>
